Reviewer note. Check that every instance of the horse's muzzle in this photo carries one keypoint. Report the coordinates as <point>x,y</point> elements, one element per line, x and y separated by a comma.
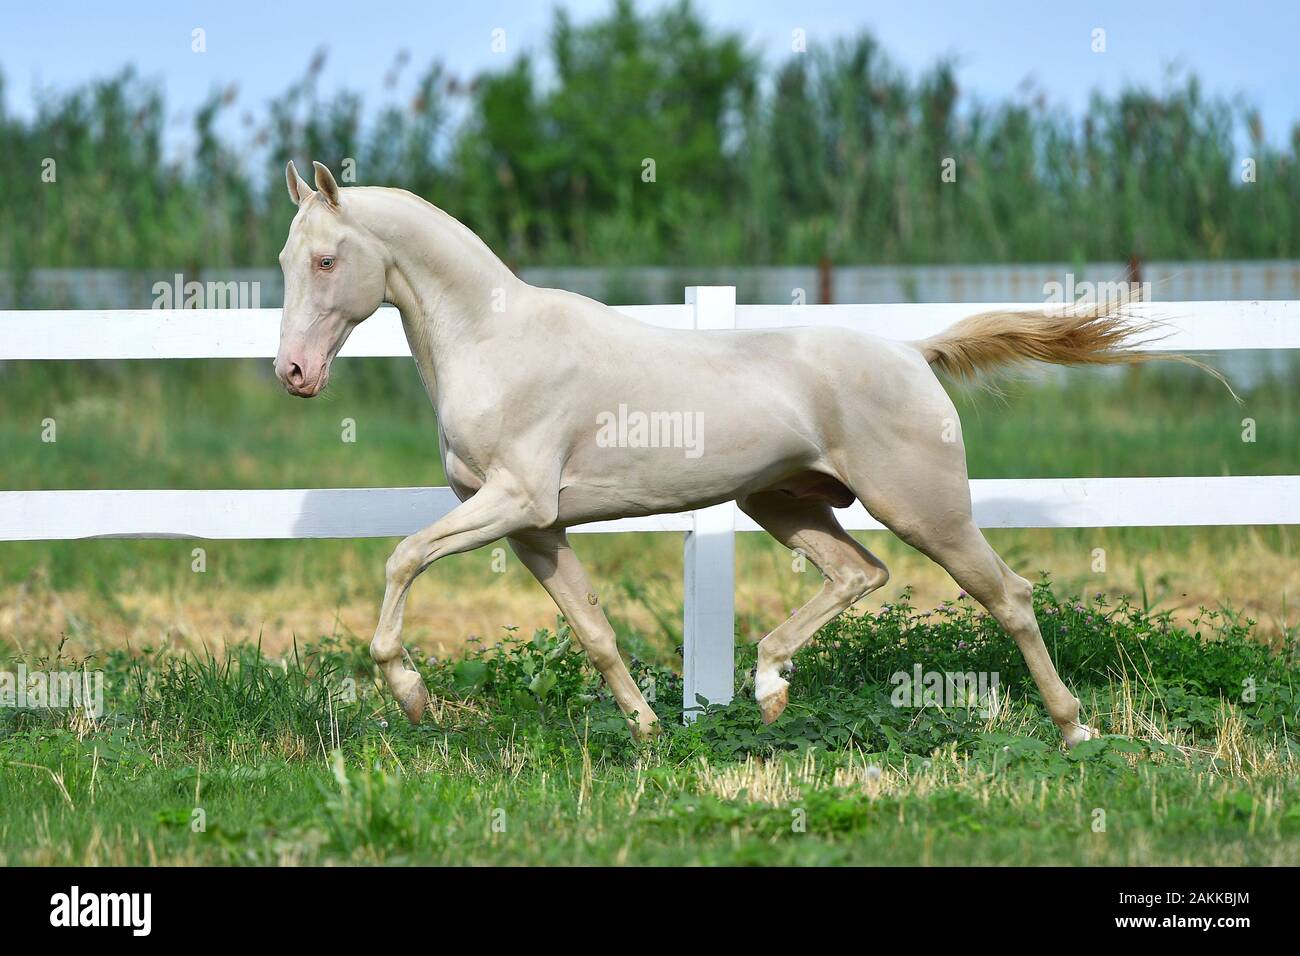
<point>296,375</point>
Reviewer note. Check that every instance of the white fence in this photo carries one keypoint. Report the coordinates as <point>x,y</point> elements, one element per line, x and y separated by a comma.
<point>709,625</point>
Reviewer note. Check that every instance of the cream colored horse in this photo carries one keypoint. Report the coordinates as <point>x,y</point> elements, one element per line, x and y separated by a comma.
<point>795,422</point>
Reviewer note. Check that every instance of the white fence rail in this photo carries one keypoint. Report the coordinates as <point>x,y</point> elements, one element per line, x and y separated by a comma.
<point>393,512</point>
<point>709,611</point>
<point>254,333</point>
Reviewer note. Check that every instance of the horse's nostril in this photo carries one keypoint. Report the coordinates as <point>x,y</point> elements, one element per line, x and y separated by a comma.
<point>295,374</point>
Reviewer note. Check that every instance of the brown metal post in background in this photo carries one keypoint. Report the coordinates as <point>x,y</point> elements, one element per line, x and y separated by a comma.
<point>1135,271</point>
<point>1134,280</point>
<point>824,292</point>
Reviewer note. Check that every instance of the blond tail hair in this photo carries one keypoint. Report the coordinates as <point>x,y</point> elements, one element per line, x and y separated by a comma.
<point>1086,334</point>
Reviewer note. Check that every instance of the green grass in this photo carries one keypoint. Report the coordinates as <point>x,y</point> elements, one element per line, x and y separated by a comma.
<point>524,760</point>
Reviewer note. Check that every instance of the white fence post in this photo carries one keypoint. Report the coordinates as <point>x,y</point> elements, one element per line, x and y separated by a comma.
<point>709,613</point>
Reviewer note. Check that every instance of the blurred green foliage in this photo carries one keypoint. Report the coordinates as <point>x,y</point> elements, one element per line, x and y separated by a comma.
<point>834,152</point>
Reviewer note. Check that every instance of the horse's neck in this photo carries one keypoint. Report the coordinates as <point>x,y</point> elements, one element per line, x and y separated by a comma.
<point>443,279</point>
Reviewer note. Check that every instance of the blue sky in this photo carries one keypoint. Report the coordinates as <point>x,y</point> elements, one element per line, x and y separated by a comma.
<point>1245,47</point>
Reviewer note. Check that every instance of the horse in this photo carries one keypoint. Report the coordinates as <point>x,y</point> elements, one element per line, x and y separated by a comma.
<point>800,421</point>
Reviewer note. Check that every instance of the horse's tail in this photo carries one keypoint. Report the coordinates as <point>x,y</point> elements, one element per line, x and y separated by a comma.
<point>1101,334</point>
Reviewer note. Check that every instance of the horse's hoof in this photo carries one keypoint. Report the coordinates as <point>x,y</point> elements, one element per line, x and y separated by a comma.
<point>646,731</point>
<point>1077,734</point>
<point>773,705</point>
<point>771,691</point>
<point>413,697</point>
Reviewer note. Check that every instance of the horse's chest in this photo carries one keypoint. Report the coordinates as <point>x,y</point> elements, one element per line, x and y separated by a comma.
<point>476,427</point>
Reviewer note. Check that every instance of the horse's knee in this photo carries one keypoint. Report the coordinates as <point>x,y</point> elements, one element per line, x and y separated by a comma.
<point>849,585</point>
<point>877,578</point>
<point>1018,602</point>
<point>603,653</point>
<point>601,648</point>
<point>1019,589</point>
<point>404,563</point>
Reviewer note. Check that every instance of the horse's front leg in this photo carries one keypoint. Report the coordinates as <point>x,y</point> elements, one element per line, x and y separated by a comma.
<point>548,556</point>
<point>497,509</point>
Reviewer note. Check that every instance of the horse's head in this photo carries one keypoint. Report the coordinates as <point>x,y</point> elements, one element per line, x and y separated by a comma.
<point>334,274</point>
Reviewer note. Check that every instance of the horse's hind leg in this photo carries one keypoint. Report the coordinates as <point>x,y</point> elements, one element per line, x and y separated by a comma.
<point>974,565</point>
<point>924,498</point>
<point>851,571</point>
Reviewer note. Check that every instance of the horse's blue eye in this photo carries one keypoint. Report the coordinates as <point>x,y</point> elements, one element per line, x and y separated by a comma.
<point>327,262</point>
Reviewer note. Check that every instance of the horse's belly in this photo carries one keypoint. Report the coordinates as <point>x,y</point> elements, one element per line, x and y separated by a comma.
<point>581,503</point>
<point>647,485</point>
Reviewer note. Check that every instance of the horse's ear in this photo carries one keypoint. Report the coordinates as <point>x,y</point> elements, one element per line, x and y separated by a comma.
<point>326,184</point>
<point>298,188</point>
